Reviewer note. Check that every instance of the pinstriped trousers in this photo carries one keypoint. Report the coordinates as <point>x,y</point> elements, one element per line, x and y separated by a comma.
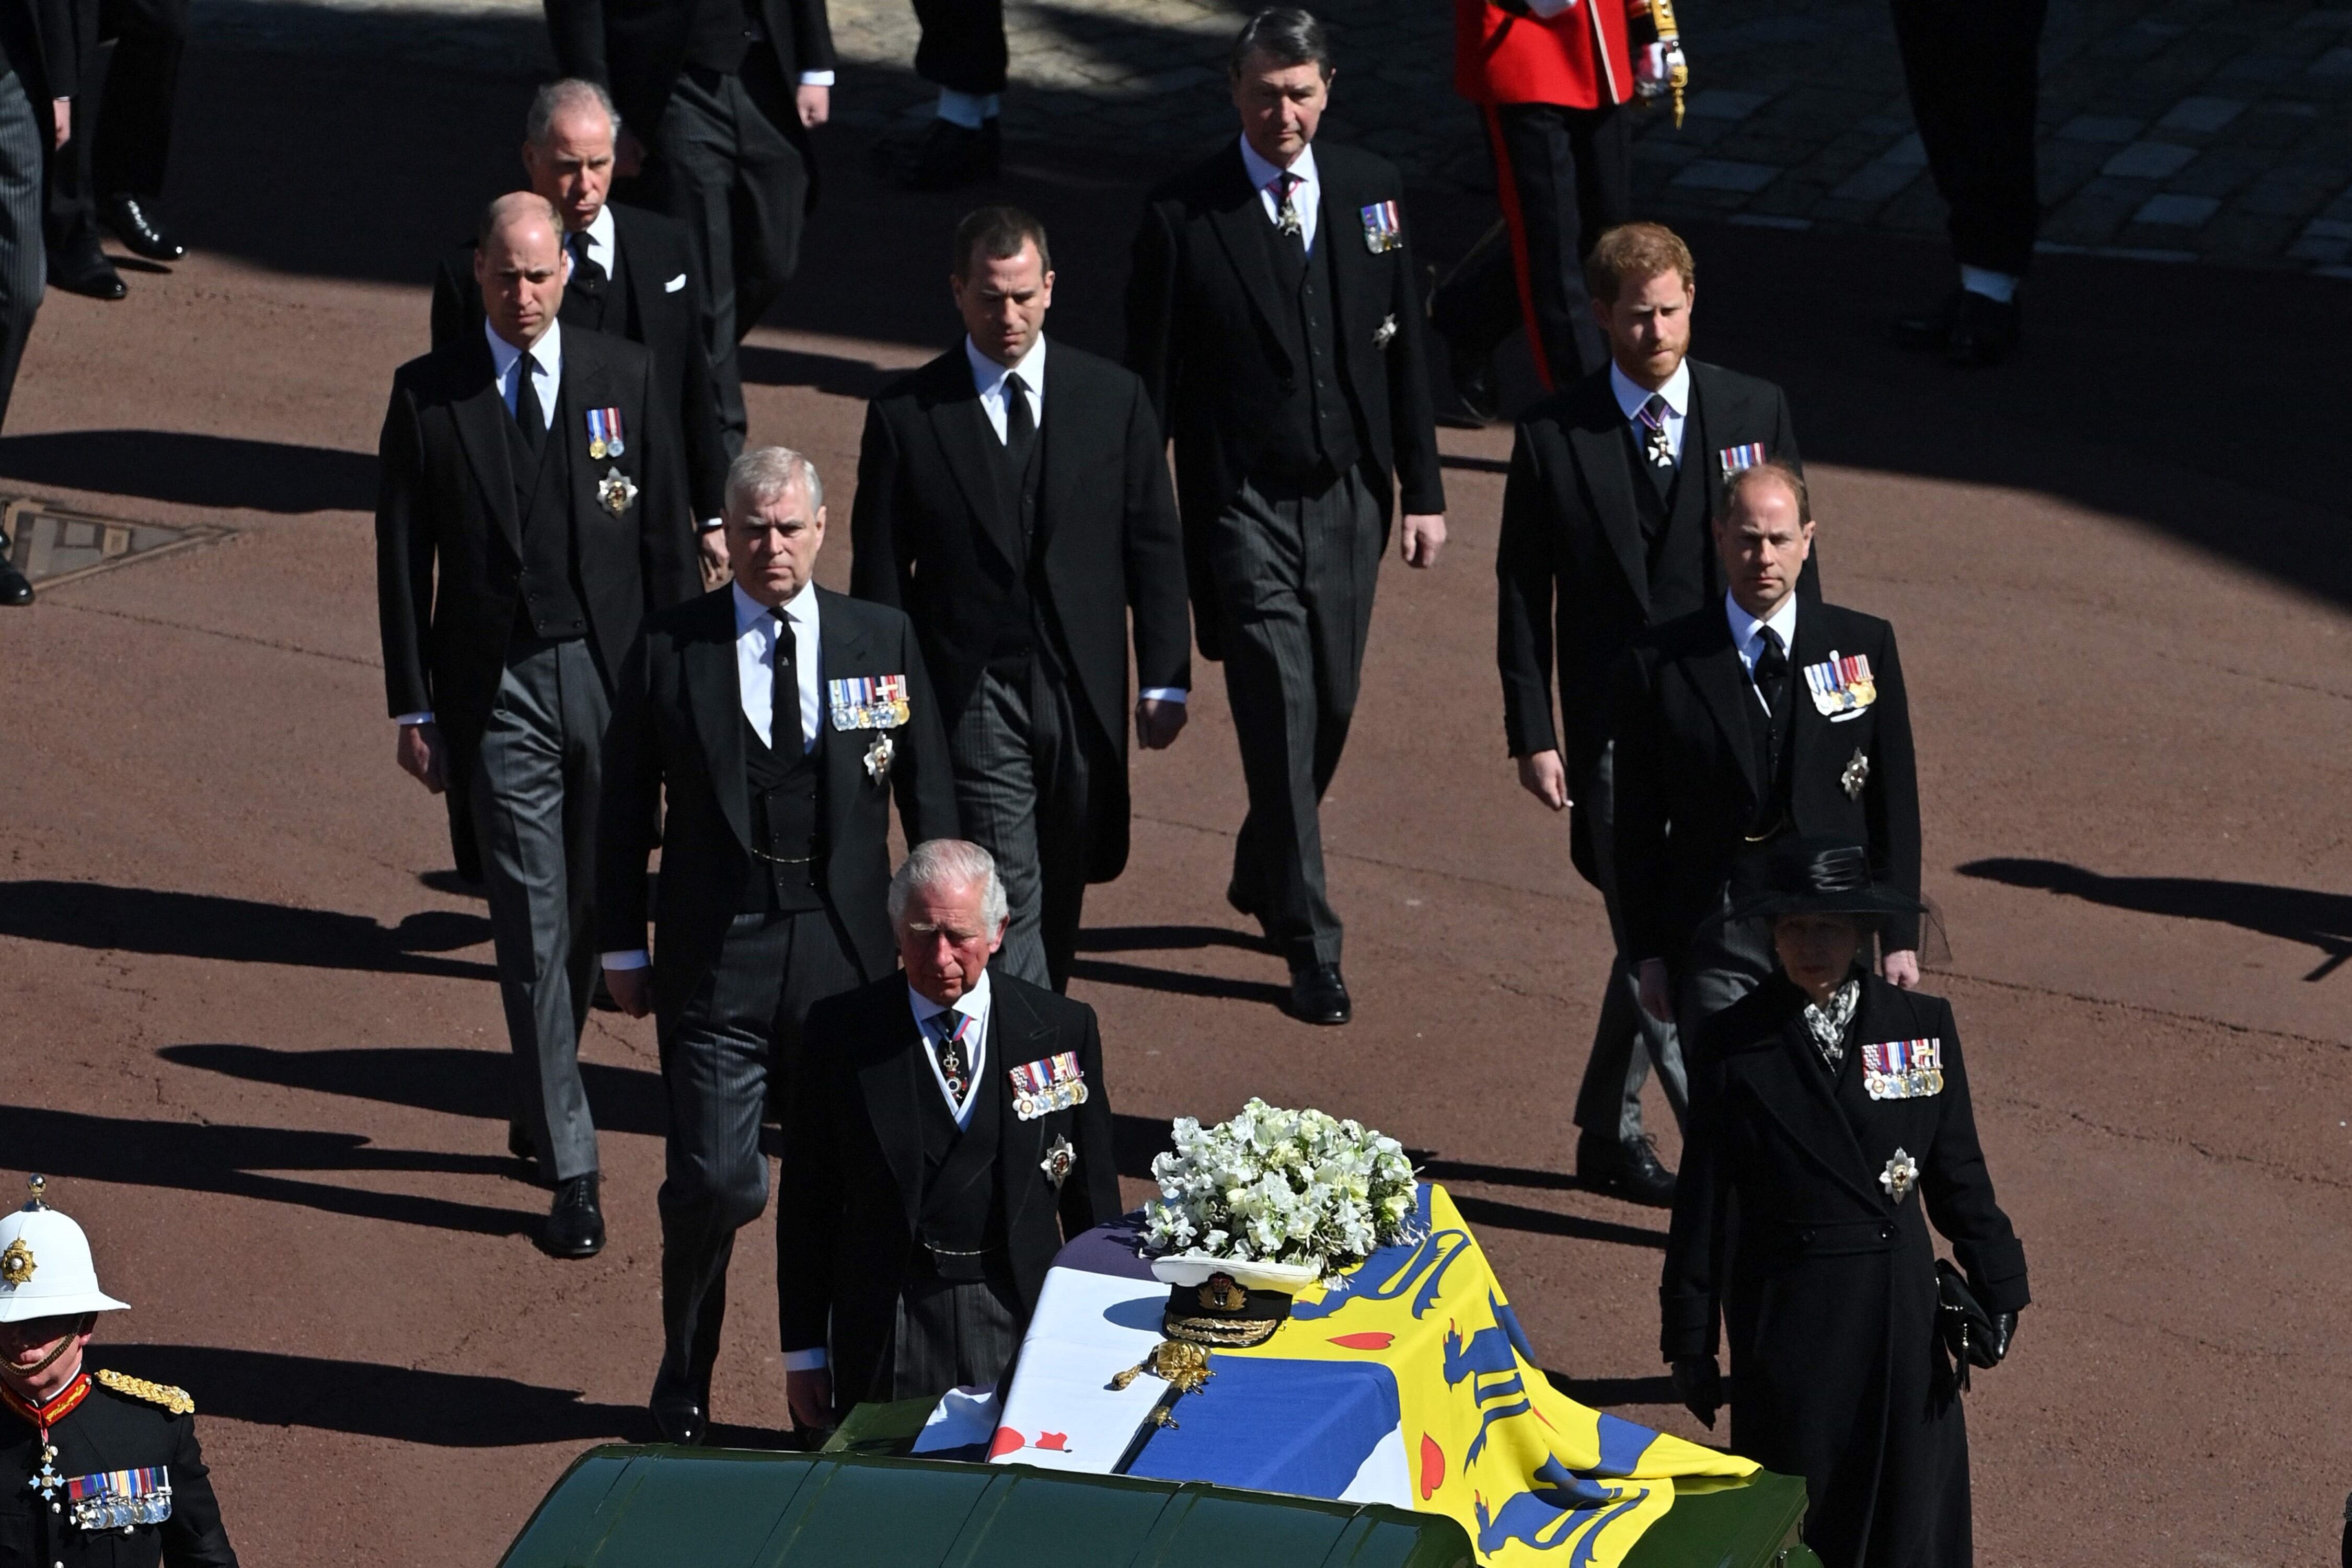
<point>1295,577</point>
<point>22,254</point>
<point>1020,773</point>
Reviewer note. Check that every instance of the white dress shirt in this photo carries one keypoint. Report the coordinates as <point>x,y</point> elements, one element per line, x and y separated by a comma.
<point>755,679</point>
<point>506,359</point>
<point>1632,396</point>
<point>988,380</point>
<point>972,1004</point>
<point>1306,196</point>
<point>601,242</point>
<point>1748,636</point>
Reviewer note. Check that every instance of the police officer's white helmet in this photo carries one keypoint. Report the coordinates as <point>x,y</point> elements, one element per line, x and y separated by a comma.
<point>45,1266</point>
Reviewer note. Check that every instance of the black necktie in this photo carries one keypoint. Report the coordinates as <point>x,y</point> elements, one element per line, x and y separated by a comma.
<point>784,692</point>
<point>527,413</point>
<point>586,270</point>
<point>1771,678</point>
<point>1020,424</point>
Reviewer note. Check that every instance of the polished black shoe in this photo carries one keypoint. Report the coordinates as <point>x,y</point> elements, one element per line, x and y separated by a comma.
<point>134,226</point>
<point>946,156</point>
<point>87,272</point>
<point>1317,994</point>
<point>1629,1169</point>
<point>519,1142</point>
<point>1984,331</point>
<point>16,588</point>
<point>679,1419</point>
<point>1928,331</point>
<point>575,1225</point>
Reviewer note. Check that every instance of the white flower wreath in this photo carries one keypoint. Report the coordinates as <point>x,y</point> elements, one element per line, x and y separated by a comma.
<point>1279,1186</point>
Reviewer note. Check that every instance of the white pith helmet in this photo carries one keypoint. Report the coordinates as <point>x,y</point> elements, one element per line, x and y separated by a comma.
<point>45,1267</point>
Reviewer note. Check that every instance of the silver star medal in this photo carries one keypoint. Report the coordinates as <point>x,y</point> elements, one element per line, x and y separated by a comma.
<point>1386,331</point>
<point>1058,1161</point>
<point>877,758</point>
<point>1901,1172</point>
<point>617,491</point>
<point>1856,774</point>
<point>1288,219</point>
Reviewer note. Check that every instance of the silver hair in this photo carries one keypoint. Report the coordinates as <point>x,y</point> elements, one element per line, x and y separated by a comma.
<point>763,473</point>
<point>938,861</point>
<point>557,96</point>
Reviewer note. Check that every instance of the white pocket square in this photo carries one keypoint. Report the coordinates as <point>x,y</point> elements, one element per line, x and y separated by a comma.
<point>675,284</point>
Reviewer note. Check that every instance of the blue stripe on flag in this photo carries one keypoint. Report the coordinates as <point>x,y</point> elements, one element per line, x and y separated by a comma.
<point>1301,1426</point>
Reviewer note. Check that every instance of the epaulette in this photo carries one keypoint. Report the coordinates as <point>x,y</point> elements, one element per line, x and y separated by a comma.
<point>176,1400</point>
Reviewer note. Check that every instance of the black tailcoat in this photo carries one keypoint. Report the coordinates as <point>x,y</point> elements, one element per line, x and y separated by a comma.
<point>677,738</point>
<point>637,48</point>
<point>660,306</point>
<point>934,537</point>
<point>109,1430</point>
<point>853,1164</point>
<point>1688,784</point>
<point>448,538</point>
<point>1211,333</point>
<point>1571,564</point>
<point>1826,1283</point>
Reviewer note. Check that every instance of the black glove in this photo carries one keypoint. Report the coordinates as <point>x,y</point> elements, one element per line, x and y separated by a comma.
<point>1990,1352</point>
<point>1699,1386</point>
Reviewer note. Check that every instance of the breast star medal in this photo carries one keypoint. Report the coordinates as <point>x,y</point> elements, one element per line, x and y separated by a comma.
<point>616,491</point>
<point>877,758</point>
<point>1058,1161</point>
<point>1900,1173</point>
<point>1383,335</point>
<point>1856,774</point>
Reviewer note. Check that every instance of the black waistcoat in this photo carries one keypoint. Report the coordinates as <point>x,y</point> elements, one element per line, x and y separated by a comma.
<point>719,35</point>
<point>1317,428</point>
<point>549,605</point>
<point>963,1210</point>
<point>1772,749</point>
<point>1674,533</point>
<point>786,785</point>
<point>1021,497</point>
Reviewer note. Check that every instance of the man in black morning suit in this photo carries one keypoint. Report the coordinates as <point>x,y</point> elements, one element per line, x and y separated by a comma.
<point>777,721</point>
<point>1015,503</point>
<point>716,101</point>
<point>1606,531</point>
<point>516,555</point>
<point>1757,716</point>
<point>632,276</point>
<point>949,1132</point>
<point>1275,316</point>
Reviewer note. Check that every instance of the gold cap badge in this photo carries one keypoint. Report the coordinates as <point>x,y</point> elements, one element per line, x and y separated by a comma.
<point>16,1264</point>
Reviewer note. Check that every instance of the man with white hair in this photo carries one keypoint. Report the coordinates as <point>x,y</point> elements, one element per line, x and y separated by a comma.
<point>777,720</point>
<point>632,276</point>
<point>949,1130</point>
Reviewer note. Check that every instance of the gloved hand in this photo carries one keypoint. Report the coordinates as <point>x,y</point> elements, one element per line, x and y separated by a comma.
<point>1699,1385</point>
<point>2004,1332</point>
<point>1655,67</point>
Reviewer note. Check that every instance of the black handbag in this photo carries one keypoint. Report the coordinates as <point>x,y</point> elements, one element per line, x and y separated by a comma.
<point>1965,1327</point>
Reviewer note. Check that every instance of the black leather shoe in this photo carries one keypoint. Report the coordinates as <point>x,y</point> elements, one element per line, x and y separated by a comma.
<point>1242,903</point>
<point>1317,994</point>
<point>134,226</point>
<point>1928,331</point>
<point>679,1419</point>
<point>575,1225</point>
<point>16,588</point>
<point>519,1142</point>
<point>946,156</point>
<point>87,272</point>
<point>1984,331</point>
<point>1629,1169</point>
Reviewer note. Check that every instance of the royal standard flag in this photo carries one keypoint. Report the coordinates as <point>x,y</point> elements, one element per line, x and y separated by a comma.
<point>1405,1380</point>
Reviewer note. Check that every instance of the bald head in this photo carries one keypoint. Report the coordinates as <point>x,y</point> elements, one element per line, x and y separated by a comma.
<point>521,264</point>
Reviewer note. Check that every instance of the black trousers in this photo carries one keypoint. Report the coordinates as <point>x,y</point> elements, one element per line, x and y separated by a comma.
<point>1973,68</point>
<point>121,116</point>
<point>962,47</point>
<point>726,161</point>
<point>24,140</point>
<point>1564,177</point>
<point>722,1058</point>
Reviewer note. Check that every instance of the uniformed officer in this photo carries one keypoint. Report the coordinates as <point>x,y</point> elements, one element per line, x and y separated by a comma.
<point>95,1468</point>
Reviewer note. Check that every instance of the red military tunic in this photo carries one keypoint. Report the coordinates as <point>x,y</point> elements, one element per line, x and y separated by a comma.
<point>1580,58</point>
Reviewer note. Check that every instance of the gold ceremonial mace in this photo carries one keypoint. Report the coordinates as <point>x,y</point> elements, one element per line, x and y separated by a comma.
<point>1661,12</point>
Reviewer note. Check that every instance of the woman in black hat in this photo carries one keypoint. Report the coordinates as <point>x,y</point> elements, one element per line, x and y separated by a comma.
<point>1829,1124</point>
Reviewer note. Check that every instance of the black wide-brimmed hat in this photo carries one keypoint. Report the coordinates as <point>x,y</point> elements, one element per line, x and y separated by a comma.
<point>1812,875</point>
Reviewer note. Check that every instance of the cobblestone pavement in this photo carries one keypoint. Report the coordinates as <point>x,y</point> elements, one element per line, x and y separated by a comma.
<point>2171,129</point>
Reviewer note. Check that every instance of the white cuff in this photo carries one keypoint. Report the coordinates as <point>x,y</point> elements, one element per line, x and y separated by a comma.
<point>424,717</point>
<point>804,1360</point>
<point>1161,694</point>
<point>713,524</point>
<point>635,958</point>
<point>816,78</point>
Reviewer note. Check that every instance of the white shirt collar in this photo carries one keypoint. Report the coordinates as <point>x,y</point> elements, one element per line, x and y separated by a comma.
<point>972,1003</point>
<point>988,376</point>
<point>1632,395</point>
<point>750,612</point>
<point>602,246</point>
<point>548,351</point>
<point>1745,626</point>
<point>1262,172</point>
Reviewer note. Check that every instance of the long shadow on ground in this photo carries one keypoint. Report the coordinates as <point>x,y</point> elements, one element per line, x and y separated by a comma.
<point>444,1079</point>
<point>2315,920</point>
<point>238,931</point>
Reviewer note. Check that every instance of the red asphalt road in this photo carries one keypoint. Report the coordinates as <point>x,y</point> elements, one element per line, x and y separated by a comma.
<point>261,1058</point>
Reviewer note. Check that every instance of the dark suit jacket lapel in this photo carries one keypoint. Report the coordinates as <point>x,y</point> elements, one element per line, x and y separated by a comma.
<point>1599,443</point>
<point>1807,726</point>
<point>891,1078</point>
<point>1236,218</point>
<point>973,454</point>
<point>1016,1036</point>
<point>1794,1091</point>
<point>845,651</point>
<point>587,384</point>
<point>1723,685</point>
<point>1059,431</point>
<point>480,417</point>
<point>714,691</point>
<point>1340,225</point>
<point>636,276</point>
